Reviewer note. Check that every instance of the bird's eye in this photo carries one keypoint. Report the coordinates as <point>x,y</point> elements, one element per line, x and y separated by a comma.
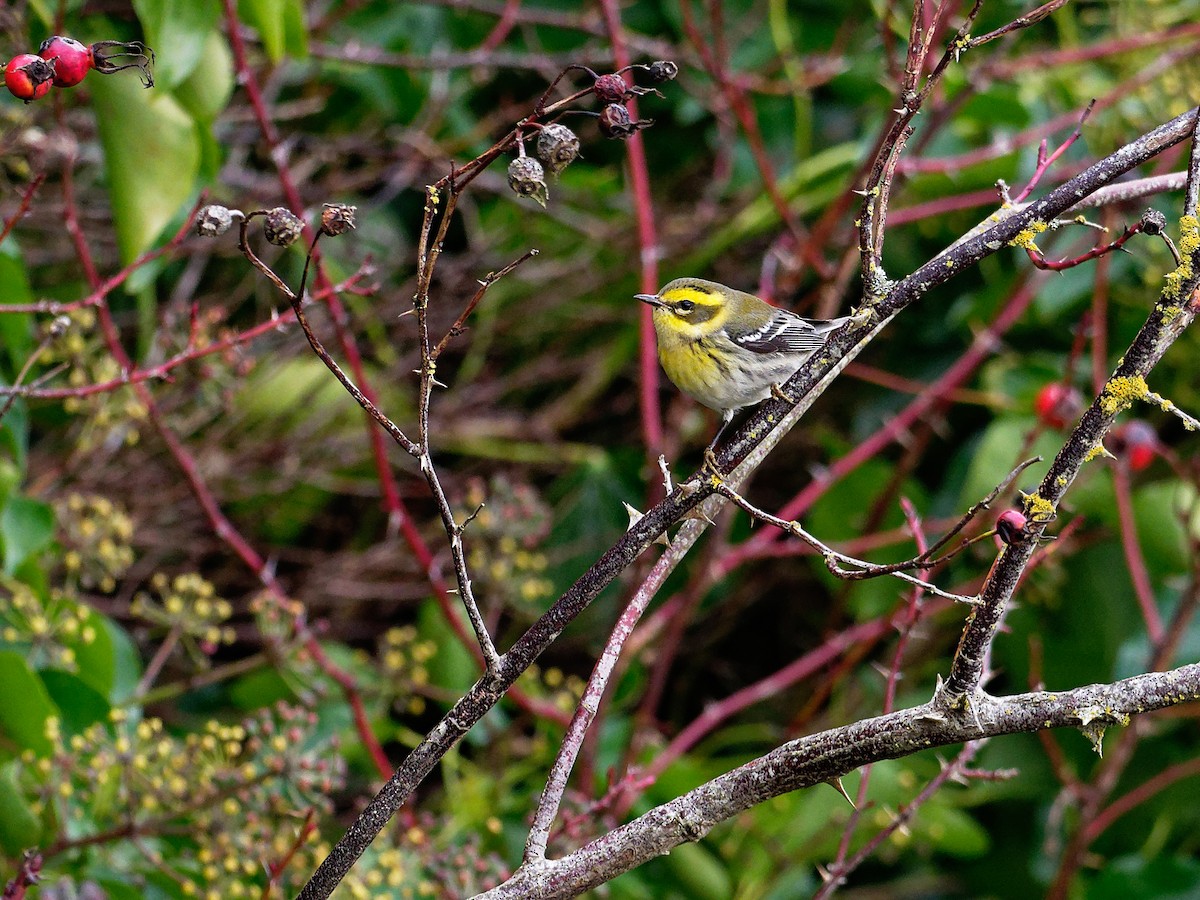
<point>685,306</point>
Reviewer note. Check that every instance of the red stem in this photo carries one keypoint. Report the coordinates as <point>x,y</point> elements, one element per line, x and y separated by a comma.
<point>1139,795</point>
<point>22,208</point>
<point>1138,573</point>
<point>643,205</point>
<point>806,665</point>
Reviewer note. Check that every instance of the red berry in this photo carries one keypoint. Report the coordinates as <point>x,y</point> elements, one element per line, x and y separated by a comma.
<point>1011,525</point>
<point>1057,404</point>
<point>1135,443</point>
<point>28,77</point>
<point>72,59</point>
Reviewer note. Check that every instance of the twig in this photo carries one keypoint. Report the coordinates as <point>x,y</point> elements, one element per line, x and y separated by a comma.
<point>55,331</point>
<point>833,557</point>
<point>484,283</point>
<point>22,208</point>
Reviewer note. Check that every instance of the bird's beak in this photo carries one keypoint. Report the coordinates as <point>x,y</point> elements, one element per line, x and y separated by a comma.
<point>652,299</point>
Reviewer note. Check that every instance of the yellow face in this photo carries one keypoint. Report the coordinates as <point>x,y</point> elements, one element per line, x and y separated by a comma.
<point>691,307</point>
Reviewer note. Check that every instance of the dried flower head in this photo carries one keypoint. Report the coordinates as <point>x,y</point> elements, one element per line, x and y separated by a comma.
<point>214,220</point>
<point>615,122</point>
<point>662,70</point>
<point>282,227</point>
<point>527,179</point>
<point>337,218</point>
<point>557,147</point>
<point>610,88</point>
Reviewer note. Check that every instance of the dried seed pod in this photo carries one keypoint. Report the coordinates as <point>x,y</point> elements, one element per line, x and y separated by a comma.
<point>1154,223</point>
<point>337,218</point>
<point>610,88</point>
<point>662,70</point>
<point>527,179</point>
<point>282,227</point>
<point>213,220</point>
<point>557,147</point>
<point>615,122</point>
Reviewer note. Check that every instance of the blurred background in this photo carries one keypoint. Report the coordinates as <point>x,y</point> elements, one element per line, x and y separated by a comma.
<point>752,158</point>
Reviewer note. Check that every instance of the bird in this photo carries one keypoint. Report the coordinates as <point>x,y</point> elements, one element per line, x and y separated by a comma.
<point>728,349</point>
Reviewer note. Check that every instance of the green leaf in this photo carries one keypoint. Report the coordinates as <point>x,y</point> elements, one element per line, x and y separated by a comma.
<point>48,12</point>
<point>280,26</point>
<point>26,705</point>
<point>1162,877</point>
<point>260,688</point>
<point>26,528</point>
<point>998,452</point>
<point>15,330</point>
<point>126,661</point>
<point>10,479</point>
<point>206,92</point>
<point>700,872</point>
<point>1158,509</point>
<point>951,830</point>
<point>178,31</point>
<point>79,704</point>
<point>19,827</point>
<point>452,667</point>
<point>152,156</point>
<point>96,656</point>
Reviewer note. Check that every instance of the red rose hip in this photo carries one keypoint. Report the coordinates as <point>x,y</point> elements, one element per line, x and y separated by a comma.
<point>1136,444</point>
<point>72,60</point>
<point>1057,405</point>
<point>28,77</point>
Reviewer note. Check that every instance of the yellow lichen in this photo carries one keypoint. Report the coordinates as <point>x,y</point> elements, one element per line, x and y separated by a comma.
<point>1120,392</point>
<point>1025,239</point>
<point>1038,508</point>
<point>1189,243</point>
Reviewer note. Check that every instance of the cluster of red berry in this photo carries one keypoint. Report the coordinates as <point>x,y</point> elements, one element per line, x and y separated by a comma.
<point>64,62</point>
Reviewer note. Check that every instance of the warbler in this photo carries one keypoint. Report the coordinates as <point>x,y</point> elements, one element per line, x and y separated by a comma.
<point>728,349</point>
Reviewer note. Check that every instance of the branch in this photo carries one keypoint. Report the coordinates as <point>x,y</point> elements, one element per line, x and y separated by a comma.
<point>831,754</point>
<point>1176,308</point>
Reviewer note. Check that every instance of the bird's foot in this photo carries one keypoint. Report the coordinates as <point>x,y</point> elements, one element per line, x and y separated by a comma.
<point>778,394</point>
<point>710,463</point>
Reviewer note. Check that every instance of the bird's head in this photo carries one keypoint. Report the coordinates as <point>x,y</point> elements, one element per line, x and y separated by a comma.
<point>690,302</point>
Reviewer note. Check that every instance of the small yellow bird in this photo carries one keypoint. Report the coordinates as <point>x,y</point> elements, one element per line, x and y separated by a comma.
<point>727,349</point>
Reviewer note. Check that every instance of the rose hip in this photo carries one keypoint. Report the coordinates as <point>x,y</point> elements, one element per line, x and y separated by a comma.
<point>28,77</point>
<point>72,60</point>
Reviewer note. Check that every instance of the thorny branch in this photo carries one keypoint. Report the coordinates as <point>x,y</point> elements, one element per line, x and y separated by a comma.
<point>828,755</point>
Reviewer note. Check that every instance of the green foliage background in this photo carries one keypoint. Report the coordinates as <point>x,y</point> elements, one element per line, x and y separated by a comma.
<point>372,100</point>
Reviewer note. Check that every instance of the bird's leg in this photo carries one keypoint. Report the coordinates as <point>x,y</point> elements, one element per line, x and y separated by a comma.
<point>710,457</point>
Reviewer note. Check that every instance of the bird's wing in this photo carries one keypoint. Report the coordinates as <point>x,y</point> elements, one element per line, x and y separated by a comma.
<point>786,332</point>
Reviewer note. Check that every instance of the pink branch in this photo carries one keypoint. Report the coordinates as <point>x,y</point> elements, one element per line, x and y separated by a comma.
<point>1138,573</point>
